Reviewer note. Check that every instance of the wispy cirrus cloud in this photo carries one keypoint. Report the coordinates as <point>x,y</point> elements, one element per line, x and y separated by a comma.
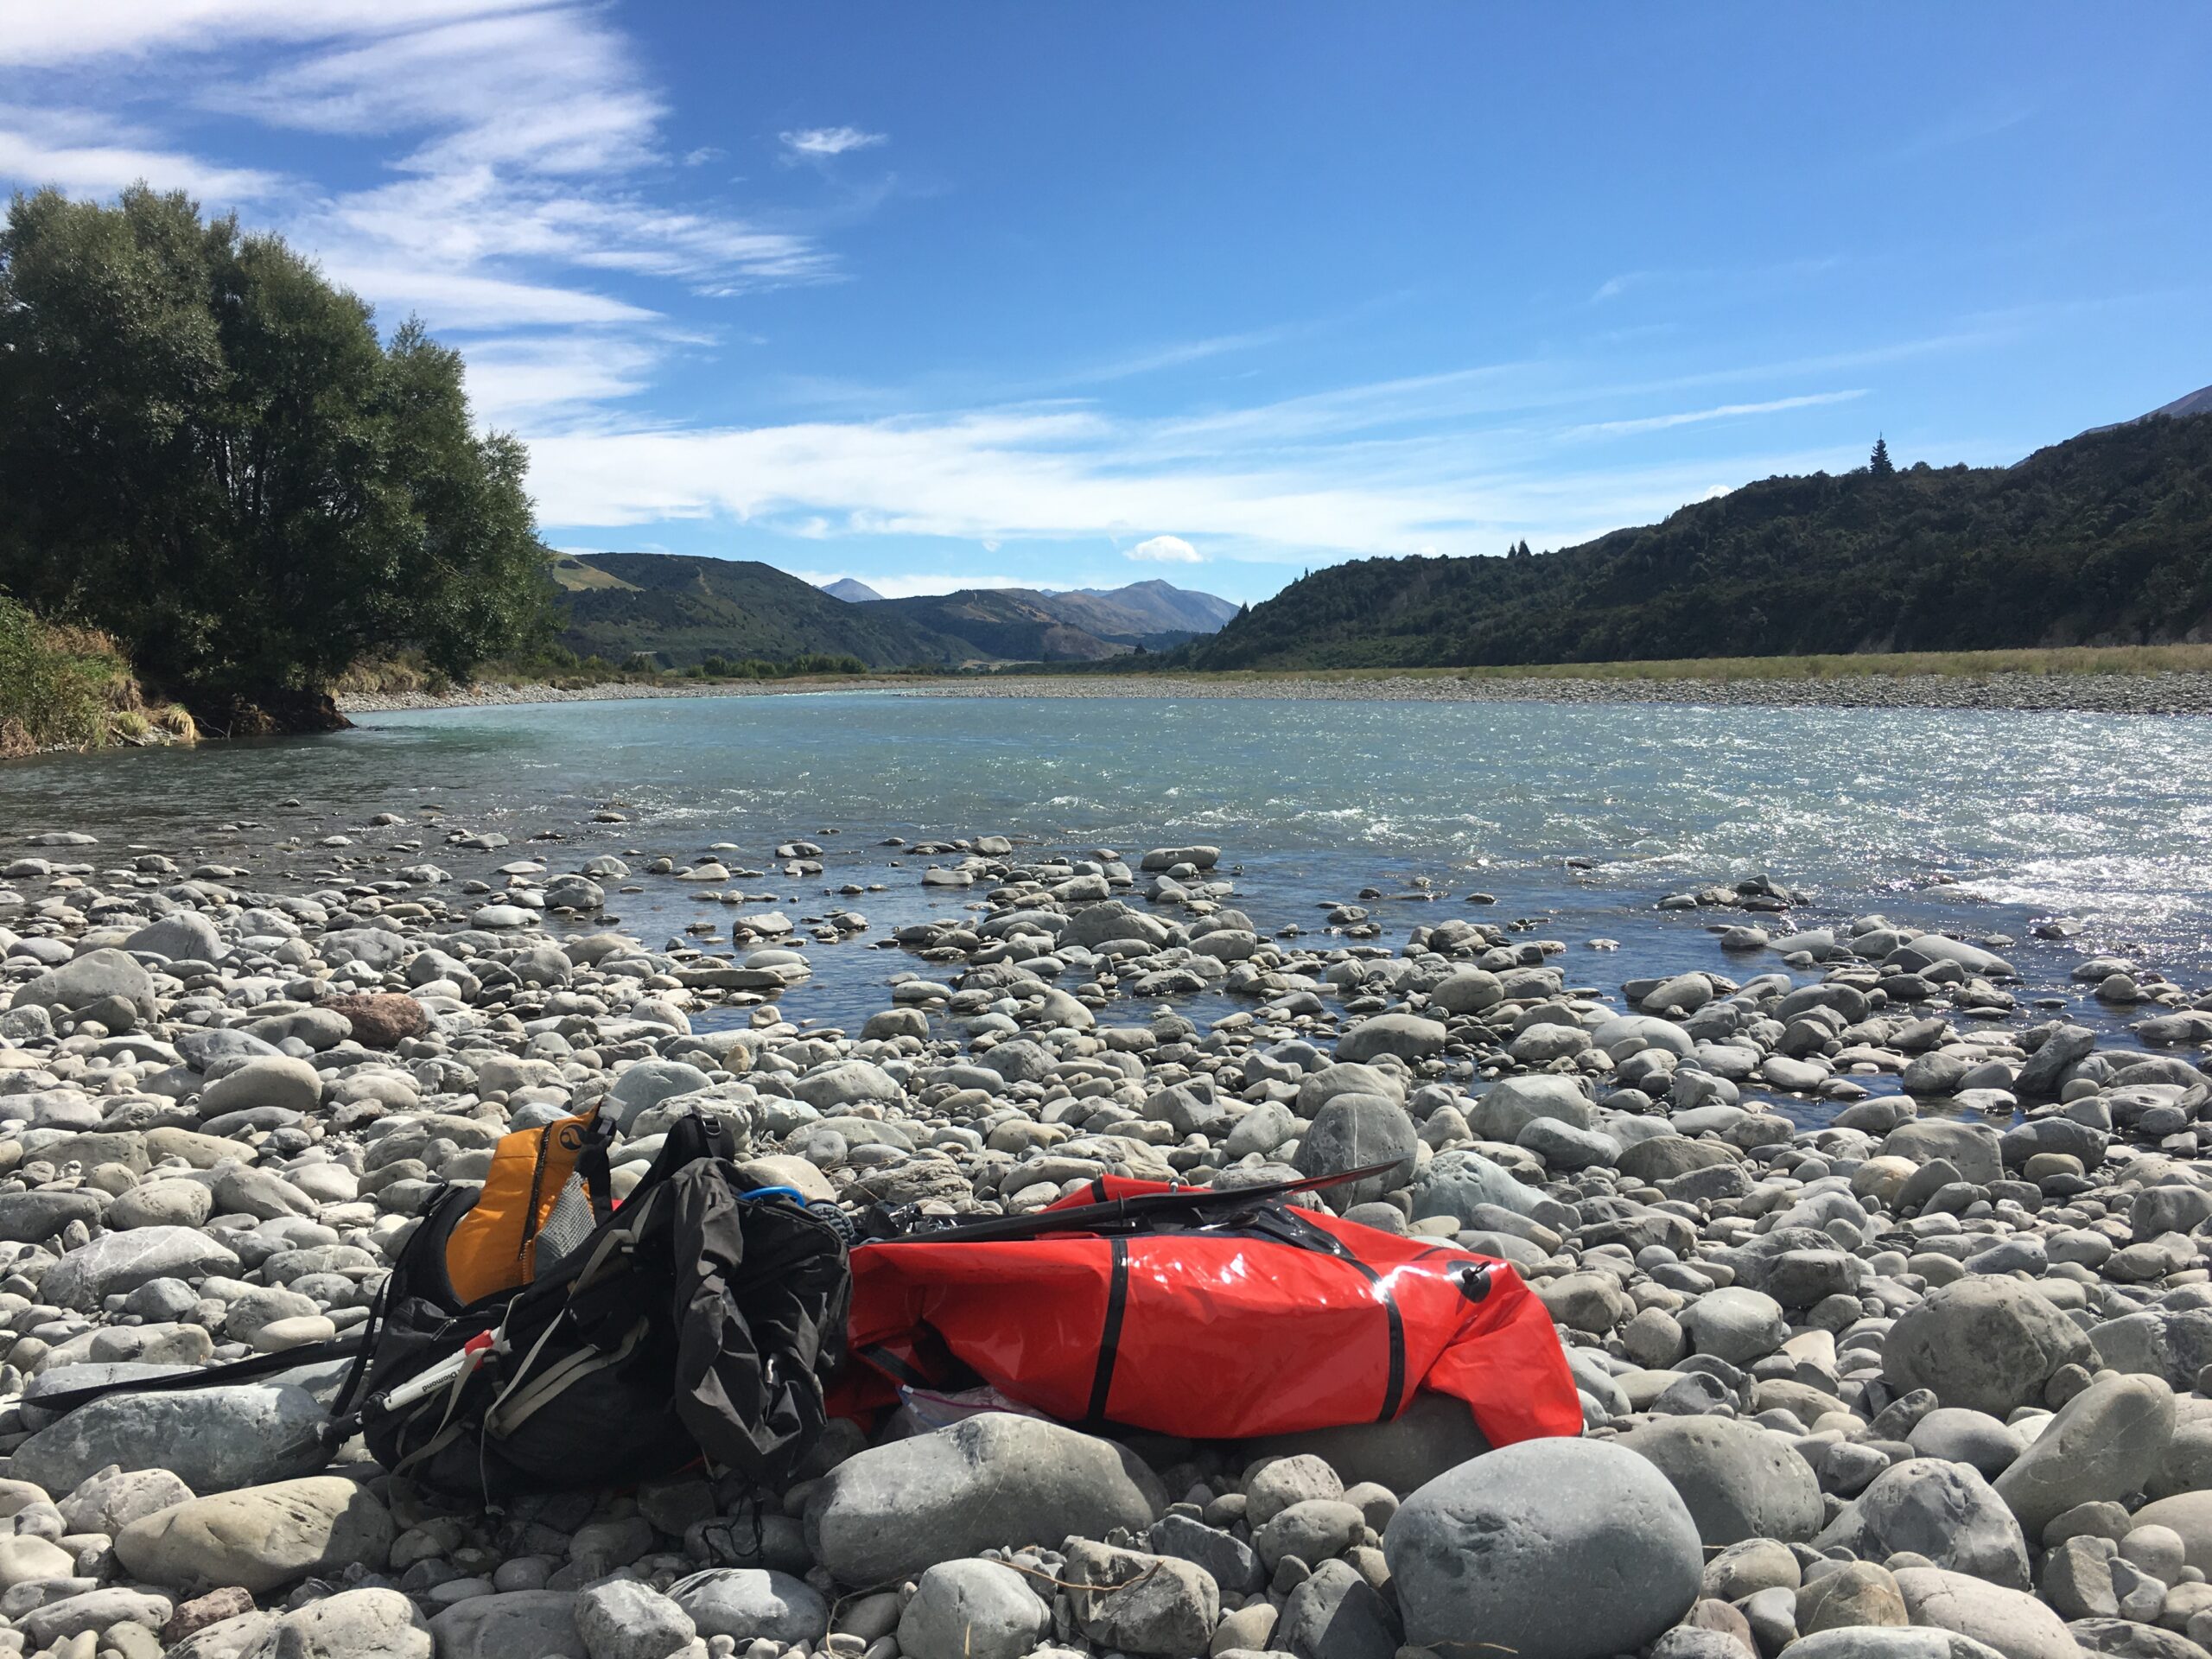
<point>1719,278</point>
<point>1718,412</point>
<point>518,139</point>
<point>819,144</point>
<point>101,158</point>
<point>1041,475</point>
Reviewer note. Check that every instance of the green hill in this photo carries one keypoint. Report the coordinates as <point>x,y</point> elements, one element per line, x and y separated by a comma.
<point>2104,539</point>
<point>683,610</point>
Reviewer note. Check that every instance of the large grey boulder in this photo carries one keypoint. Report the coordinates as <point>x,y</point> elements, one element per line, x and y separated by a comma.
<point>622,1618</point>
<point>1549,1548</point>
<point>750,1603</point>
<point>1666,1156</point>
<point>647,1083</point>
<point>971,1609</point>
<point>92,977</point>
<point>35,1216</point>
<point>214,1439</point>
<point>376,947</point>
<point>1467,991</point>
<point>266,1080</point>
<point>118,1263</point>
<point>1336,1614</point>
<point>262,1537</point>
<point>848,1083</point>
<point>1565,1148</point>
<point>1972,1149</point>
<point>1457,1182</point>
<point>2105,1443</point>
<point>51,1622</point>
<point>1889,1642</point>
<point>1738,1480</point>
<point>1130,1602</point>
<point>2189,1514</point>
<point>1317,1089</point>
<point>1734,1324</point>
<point>1944,1511</point>
<point>1359,1132</point>
<point>1928,949</point>
<point>997,1479</point>
<point>1985,1344</point>
<point>111,1499</point>
<point>1970,1437</point>
<point>185,936</point>
<point>2012,1622</point>
<point>2173,1343</point>
<point>1406,1035</point>
<point>1228,1560</point>
<point>2187,1465</point>
<point>1510,1104</point>
<point>539,1622</point>
<point>2045,1070</point>
<point>351,1624</point>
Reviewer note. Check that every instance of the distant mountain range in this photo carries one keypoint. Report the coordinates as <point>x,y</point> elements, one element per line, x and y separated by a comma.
<point>681,610</point>
<point>2104,539</point>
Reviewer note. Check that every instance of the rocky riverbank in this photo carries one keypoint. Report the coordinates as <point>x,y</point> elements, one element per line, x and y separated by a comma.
<point>1885,1293</point>
<point>2109,694</point>
<point>493,695</point>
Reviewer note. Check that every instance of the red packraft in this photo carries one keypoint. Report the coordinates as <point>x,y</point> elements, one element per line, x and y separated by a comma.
<point>1234,1320</point>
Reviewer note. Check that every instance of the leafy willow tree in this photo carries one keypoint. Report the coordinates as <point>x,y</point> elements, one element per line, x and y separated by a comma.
<point>206,450</point>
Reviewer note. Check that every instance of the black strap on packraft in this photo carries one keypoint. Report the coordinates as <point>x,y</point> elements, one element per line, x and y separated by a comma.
<point>702,1319</point>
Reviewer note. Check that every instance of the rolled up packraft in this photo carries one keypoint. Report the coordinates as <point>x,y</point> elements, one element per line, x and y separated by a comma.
<point>1211,1317</point>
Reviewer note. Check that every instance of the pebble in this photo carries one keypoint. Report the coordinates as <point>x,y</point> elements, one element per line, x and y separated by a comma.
<point>1889,1295</point>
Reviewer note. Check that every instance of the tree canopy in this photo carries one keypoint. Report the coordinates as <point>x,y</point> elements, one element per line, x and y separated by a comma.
<point>2106,538</point>
<point>206,450</point>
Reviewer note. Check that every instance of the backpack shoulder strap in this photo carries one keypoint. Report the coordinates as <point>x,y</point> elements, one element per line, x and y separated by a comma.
<point>691,1137</point>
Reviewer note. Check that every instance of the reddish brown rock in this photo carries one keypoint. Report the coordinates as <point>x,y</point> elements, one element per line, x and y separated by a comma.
<point>382,1019</point>
<point>213,1608</point>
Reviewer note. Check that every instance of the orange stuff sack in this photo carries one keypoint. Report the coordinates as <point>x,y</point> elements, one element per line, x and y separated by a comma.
<point>538,1187</point>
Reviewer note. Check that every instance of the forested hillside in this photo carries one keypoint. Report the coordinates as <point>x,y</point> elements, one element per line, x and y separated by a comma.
<point>2106,538</point>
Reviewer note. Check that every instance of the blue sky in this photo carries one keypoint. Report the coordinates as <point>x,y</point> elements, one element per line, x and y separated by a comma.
<point>942,295</point>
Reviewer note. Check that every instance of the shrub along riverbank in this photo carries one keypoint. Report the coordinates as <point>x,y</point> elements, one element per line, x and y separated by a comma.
<point>71,689</point>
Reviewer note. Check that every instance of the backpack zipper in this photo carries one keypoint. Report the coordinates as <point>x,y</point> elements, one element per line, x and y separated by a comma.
<point>537,1187</point>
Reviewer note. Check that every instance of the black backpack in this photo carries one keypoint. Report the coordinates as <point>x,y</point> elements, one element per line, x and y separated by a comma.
<point>701,1318</point>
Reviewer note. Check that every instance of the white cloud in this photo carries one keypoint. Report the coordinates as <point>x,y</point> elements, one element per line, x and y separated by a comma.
<point>104,169</point>
<point>1166,550</point>
<point>517,141</point>
<point>1725,412</point>
<point>702,156</point>
<point>818,143</point>
<point>1056,476</point>
<point>516,379</point>
<point>139,28</point>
